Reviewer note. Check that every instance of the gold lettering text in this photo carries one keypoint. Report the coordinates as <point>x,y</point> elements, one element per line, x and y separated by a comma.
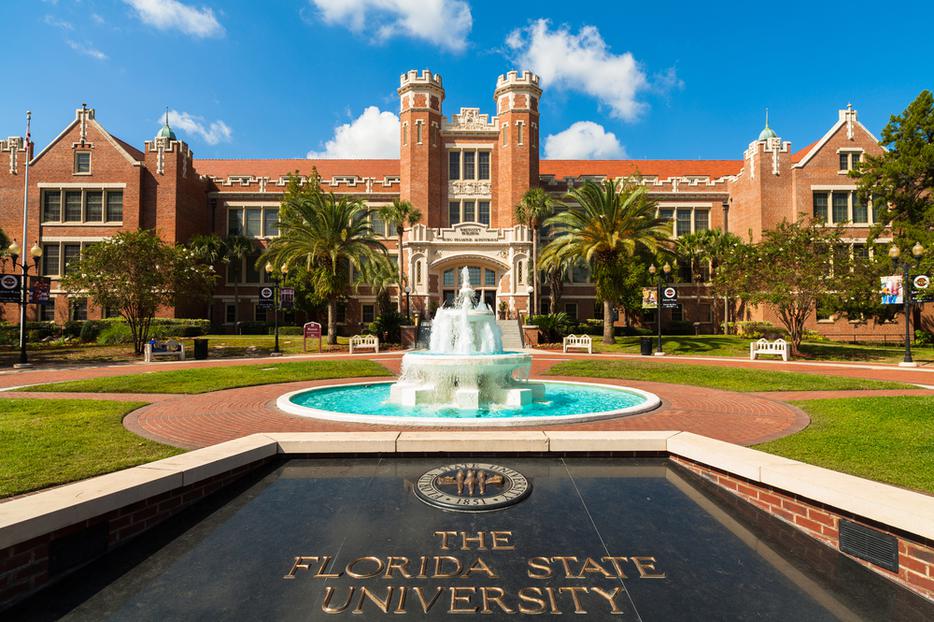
<point>525,596</point>
<point>457,599</point>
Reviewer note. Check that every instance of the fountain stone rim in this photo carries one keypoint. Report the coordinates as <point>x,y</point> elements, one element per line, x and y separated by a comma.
<point>285,404</point>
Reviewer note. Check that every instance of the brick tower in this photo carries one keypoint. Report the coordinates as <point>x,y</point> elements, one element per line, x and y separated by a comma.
<point>516,151</point>
<point>421,157</point>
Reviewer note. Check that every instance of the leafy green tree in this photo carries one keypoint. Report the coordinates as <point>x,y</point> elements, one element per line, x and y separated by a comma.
<point>137,273</point>
<point>555,270</point>
<point>900,182</point>
<point>605,226</point>
<point>208,248</point>
<point>326,234</point>
<point>534,208</point>
<point>398,214</point>
<point>791,272</point>
<point>691,249</point>
<point>236,249</point>
<point>718,250</point>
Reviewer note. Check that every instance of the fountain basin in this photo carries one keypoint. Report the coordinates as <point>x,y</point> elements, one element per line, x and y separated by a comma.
<point>565,402</point>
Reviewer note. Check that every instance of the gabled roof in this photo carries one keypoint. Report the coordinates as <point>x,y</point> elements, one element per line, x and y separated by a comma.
<point>274,169</point>
<point>663,169</point>
<point>133,155</point>
<point>814,148</point>
<point>798,155</point>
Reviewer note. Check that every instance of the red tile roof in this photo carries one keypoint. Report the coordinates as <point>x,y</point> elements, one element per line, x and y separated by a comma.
<point>663,169</point>
<point>282,167</point>
<point>797,156</point>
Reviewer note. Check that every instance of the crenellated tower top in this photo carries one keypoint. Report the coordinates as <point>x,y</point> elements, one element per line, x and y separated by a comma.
<point>420,90</point>
<point>517,91</point>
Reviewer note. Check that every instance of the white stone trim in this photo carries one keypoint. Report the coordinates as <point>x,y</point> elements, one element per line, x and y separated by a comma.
<point>80,185</point>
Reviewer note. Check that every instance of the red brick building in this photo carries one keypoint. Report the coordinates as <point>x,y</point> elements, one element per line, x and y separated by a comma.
<point>465,172</point>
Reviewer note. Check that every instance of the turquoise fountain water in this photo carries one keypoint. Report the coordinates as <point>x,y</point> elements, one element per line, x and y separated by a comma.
<point>465,378</point>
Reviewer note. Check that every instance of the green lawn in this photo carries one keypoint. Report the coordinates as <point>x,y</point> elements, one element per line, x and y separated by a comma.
<point>727,378</point>
<point>731,345</point>
<point>205,379</point>
<point>889,439</point>
<point>49,442</point>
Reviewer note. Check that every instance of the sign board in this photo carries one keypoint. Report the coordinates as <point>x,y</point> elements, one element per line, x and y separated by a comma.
<point>266,298</point>
<point>891,289</point>
<point>311,330</point>
<point>287,297</point>
<point>669,298</point>
<point>39,290</point>
<point>649,295</point>
<point>10,288</point>
<point>922,281</point>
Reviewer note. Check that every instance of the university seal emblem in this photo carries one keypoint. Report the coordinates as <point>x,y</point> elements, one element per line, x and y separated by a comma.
<point>472,487</point>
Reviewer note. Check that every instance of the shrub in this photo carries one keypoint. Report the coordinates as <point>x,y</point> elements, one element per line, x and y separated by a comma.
<point>552,327</point>
<point>115,334</point>
<point>388,326</point>
<point>633,331</point>
<point>89,331</point>
<point>758,330</point>
<point>678,327</point>
<point>924,338</point>
<point>288,330</point>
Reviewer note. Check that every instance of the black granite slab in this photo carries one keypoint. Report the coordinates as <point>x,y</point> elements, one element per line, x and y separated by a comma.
<point>699,554</point>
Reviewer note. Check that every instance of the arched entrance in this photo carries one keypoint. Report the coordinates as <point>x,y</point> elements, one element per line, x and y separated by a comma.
<point>484,274</point>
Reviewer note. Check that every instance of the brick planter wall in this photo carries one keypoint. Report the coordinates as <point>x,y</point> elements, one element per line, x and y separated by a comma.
<point>915,559</point>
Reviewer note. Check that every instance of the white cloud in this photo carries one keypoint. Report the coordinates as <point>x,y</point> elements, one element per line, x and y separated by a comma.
<point>584,62</point>
<point>443,22</point>
<point>51,20</point>
<point>374,134</point>
<point>584,140</point>
<point>87,49</point>
<point>212,133</point>
<point>172,14</point>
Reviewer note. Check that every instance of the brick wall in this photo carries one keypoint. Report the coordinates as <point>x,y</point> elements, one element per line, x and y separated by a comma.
<point>915,558</point>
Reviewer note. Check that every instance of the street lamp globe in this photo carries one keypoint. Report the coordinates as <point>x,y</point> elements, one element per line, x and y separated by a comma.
<point>14,249</point>
<point>408,290</point>
<point>894,251</point>
<point>652,269</point>
<point>269,267</point>
<point>35,251</point>
<point>917,250</point>
<point>284,269</point>
<point>666,268</point>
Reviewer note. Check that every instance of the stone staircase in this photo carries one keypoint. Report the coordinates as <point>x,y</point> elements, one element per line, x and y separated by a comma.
<point>512,334</point>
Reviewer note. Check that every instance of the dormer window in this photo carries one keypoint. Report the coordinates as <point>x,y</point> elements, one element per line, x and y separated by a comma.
<point>82,163</point>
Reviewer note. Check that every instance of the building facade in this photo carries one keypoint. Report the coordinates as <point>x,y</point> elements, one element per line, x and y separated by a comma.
<point>464,172</point>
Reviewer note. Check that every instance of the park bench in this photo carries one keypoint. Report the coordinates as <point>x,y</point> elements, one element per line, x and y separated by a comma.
<point>364,342</point>
<point>764,346</point>
<point>581,342</point>
<point>165,349</point>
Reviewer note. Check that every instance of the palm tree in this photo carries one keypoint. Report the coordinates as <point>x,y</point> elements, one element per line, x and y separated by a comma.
<point>327,234</point>
<point>692,249</point>
<point>236,249</point>
<point>399,214</point>
<point>555,270</point>
<point>720,247</point>
<point>605,226</point>
<point>209,249</point>
<point>536,205</point>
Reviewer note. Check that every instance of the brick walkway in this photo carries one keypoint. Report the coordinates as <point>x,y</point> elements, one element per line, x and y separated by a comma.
<point>198,420</point>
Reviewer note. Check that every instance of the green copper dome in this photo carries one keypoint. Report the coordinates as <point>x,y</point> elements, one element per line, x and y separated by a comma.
<point>166,131</point>
<point>767,133</point>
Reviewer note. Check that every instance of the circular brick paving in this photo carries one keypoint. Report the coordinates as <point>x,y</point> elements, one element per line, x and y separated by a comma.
<point>198,420</point>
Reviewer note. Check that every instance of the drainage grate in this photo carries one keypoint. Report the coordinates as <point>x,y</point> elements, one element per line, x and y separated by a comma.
<point>871,545</point>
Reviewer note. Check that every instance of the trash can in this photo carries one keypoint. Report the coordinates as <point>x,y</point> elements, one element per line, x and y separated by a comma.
<point>645,346</point>
<point>201,349</point>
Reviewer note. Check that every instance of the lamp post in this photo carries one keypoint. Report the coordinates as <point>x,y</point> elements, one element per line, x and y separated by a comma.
<point>408,306</point>
<point>36,254</point>
<point>271,273</point>
<point>666,270</point>
<point>917,252</point>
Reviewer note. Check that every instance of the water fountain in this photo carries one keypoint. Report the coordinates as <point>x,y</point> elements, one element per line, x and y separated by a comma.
<point>465,365</point>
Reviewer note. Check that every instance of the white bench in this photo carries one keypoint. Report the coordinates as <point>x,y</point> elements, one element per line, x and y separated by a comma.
<point>581,342</point>
<point>364,342</point>
<point>170,348</point>
<point>764,346</point>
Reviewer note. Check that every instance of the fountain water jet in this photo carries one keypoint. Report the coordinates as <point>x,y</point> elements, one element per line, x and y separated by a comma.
<point>465,365</point>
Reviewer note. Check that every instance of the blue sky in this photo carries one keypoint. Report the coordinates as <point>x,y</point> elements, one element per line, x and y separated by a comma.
<point>285,78</point>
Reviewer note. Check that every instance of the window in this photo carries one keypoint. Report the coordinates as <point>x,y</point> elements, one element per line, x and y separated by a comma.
<point>418,272</point>
<point>259,313</point>
<point>341,312</point>
<point>470,171</point>
<point>51,205</point>
<point>473,273</point>
<point>483,209</point>
<point>368,313</point>
<point>820,207</point>
<point>666,214</point>
<point>230,313</point>
<point>860,211</point>
<point>448,278</point>
<point>252,272</point>
<point>520,131</point>
<point>73,206</point>
<point>840,206</point>
<point>489,278</point>
<point>253,222</point>
<point>115,205</point>
<point>454,165</point>
<point>70,253</point>
<point>82,163</point>
<point>418,132</point>
<point>483,165</point>
<point>844,161</point>
<point>78,309</point>
<point>377,224</point>
<point>598,310</point>
<point>505,134</point>
<point>51,259</point>
<point>454,212</point>
<point>469,213</point>
<point>849,160</point>
<point>677,314</point>
<point>683,223</point>
<point>94,206</point>
<point>571,309</point>
<point>47,311</point>
<point>701,220</point>
<point>405,134</point>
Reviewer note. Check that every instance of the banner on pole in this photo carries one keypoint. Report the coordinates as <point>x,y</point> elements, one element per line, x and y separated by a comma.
<point>892,290</point>
<point>40,288</point>
<point>649,296</point>
<point>11,287</point>
<point>287,297</point>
